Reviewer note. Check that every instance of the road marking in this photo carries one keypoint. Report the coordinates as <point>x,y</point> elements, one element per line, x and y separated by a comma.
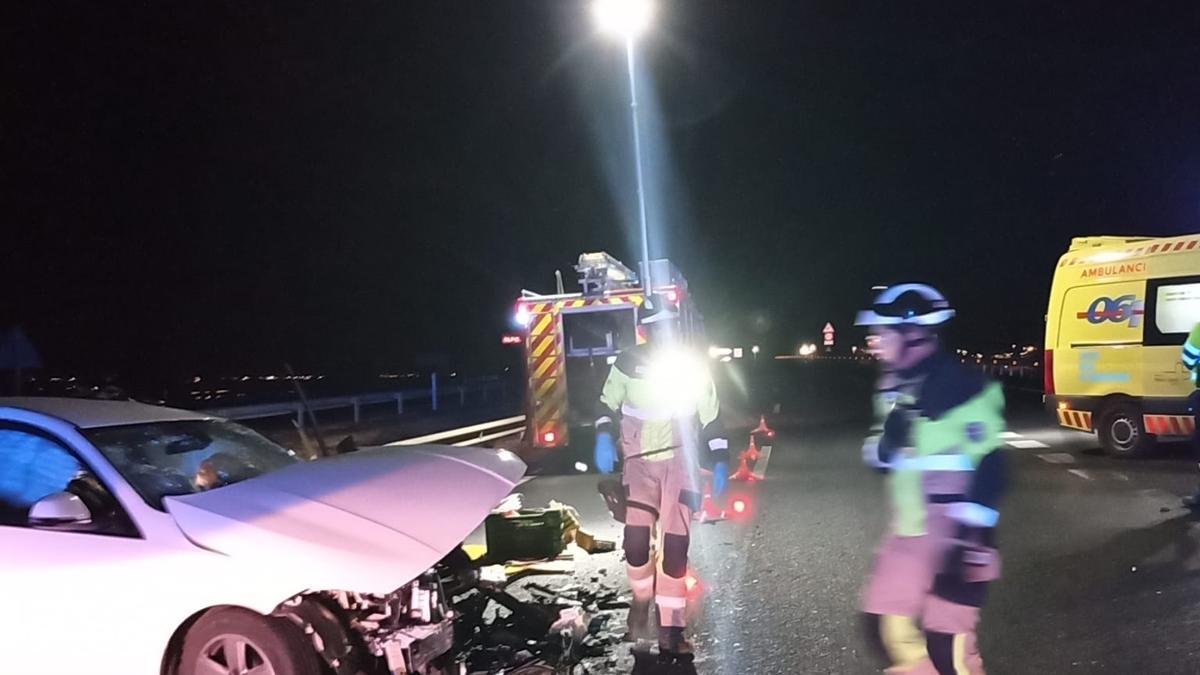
<point>1027,444</point>
<point>1161,496</point>
<point>1081,473</point>
<point>1006,435</point>
<point>1058,458</point>
<point>1119,476</point>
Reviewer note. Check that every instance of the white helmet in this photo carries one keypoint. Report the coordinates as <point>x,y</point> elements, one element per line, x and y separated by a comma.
<point>907,304</point>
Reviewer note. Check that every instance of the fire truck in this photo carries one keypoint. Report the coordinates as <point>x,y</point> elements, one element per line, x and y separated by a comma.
<point>571,340</point>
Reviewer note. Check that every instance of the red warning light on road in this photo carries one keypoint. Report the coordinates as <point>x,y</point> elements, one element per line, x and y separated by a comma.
<point>511,340</point>
<point>739,507</point>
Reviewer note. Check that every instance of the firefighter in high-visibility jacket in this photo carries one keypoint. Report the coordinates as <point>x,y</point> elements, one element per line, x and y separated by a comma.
<point>1191,361</point>
<point>939,444</point>
<point>661,400</point>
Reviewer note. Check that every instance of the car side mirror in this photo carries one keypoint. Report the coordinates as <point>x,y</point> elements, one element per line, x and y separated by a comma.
<point>59,509</point>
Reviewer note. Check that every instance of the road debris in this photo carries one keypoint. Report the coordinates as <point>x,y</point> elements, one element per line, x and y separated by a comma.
<point>537,602</point>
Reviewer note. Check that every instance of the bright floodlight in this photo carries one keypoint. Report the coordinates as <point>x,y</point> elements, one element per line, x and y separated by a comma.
<point>623,18</point>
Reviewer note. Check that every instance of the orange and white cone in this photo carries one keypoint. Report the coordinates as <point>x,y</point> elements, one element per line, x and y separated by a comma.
<point>762,428</point>
<point>743,471</point>
<point>751,452</point>
<point>709,511</point>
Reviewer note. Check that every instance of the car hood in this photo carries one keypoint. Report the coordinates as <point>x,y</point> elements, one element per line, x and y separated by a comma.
<point>368,521</point>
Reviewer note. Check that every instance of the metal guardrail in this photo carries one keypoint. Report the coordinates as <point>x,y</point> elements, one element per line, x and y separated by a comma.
<point>475,433</point>
<point>435,394</point>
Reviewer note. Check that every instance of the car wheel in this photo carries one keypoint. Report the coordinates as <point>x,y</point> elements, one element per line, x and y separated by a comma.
<point>234,641</point>
<point>1122,431</point>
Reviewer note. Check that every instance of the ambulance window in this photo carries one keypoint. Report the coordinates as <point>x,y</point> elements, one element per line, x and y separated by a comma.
<point>1173,309</point>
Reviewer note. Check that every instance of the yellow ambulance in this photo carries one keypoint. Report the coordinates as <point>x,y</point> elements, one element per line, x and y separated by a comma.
<point>1120,311</point>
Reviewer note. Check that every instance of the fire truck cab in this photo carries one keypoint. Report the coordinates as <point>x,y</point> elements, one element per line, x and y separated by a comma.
<point>571,340</point>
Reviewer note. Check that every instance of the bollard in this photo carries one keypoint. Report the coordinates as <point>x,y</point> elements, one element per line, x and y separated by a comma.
<point>400,403</point>
<point>433,390</point>
<point>357,416</point>
<point>462,396</point>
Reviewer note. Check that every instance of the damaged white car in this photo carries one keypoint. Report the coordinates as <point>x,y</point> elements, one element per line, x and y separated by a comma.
<point>140,540</point>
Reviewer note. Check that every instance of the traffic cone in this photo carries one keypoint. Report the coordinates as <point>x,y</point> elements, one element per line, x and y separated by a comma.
<point>743,471</point>
<point>763,428</point>
<point>751,452</point>
<point>709,511</point>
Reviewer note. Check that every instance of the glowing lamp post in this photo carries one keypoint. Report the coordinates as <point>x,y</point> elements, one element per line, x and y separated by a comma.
<point>627,19</point>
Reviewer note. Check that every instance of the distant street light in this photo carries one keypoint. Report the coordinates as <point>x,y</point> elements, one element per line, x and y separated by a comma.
<point>627,19</point>
<point>623,18</point>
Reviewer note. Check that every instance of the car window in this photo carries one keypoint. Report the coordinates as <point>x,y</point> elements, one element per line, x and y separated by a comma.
<point>34,465</point>
<point>163,459</point>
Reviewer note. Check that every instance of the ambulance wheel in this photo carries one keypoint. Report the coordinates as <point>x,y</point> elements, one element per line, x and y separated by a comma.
<point>1122,432</point>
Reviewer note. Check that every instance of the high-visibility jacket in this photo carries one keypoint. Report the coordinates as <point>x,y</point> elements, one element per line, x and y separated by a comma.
<point>940,444</point>
<point>659,395</point>
<point>1191,354</point>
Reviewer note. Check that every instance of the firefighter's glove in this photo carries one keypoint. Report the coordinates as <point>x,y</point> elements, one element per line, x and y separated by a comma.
<point>606,452</point>
<point>953,564</point>
<point>969,561</point>
<point>896,431</point>
<point>872,454</point>
<point>720,478</point>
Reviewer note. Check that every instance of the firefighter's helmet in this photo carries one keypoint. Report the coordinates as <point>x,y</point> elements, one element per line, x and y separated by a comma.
<point>907,304</point>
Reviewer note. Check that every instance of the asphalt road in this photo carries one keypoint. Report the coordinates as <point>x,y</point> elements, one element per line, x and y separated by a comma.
<point>1101,563</point>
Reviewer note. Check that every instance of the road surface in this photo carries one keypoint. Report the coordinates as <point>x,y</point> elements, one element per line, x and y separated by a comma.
<point>1101,564</point>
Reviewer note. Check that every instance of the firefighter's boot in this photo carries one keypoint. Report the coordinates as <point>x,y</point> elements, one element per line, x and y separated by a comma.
<point>639,621</point>
<point>673,647</point>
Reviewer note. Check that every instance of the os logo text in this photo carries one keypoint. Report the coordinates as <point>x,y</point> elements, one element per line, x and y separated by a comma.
<point>1119,310</point>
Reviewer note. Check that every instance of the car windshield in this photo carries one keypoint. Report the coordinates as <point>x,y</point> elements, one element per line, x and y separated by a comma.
<point>179,458</point>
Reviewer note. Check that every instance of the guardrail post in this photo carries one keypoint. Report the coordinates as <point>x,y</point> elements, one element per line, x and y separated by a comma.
<point>462,396</point>
<point>300,415</point>
<point>433,390</point>
<point>400,403</point>
<point>357,416</point>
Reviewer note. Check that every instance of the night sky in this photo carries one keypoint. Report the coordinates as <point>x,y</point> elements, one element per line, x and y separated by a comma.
<point>361,185</point>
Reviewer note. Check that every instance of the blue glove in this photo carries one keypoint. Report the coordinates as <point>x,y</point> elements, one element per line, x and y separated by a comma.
<point>606,452</point>
<point>720,478</point>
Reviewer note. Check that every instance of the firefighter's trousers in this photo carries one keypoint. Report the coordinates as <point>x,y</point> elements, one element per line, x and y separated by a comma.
<point>1194,404</point>
<point>914,626</point>
<point>659,493</point>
